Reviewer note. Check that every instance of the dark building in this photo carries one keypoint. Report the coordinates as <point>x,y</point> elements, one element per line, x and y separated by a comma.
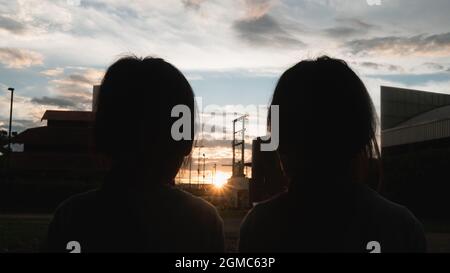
<point>267,177</point>
<point>62,149</point>
<point>415,141</point>
<point>55,161</point>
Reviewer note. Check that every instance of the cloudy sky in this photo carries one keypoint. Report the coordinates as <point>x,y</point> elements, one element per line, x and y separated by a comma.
<point>232,52</point>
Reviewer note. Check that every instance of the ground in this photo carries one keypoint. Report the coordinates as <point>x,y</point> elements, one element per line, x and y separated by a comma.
<point>25,233</point>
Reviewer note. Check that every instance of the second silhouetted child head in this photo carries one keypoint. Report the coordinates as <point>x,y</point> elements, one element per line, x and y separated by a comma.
<point>327,120</point>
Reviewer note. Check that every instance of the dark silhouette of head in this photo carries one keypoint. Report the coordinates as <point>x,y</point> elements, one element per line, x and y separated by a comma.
<point>327,121</point>
<point>133,118</point>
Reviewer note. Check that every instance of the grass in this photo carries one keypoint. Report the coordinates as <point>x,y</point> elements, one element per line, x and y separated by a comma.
<point>436,226</point>
<point>19,234</point>
<point>26,233</point>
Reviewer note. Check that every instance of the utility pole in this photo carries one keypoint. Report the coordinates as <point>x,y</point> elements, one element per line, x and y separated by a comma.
<point>198,166</point>
<point>190,170</point>
<point>10,118</point>
<point>199,146</point>
<point>214,172</point>
<point>233,162</point>
<point>8,162</point>
<point>204,167</point>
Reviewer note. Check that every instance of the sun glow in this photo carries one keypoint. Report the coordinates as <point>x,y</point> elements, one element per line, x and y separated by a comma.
<point>220,179</point>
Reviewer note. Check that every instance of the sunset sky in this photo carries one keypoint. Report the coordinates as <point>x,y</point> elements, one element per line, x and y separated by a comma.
<point>232,52</point>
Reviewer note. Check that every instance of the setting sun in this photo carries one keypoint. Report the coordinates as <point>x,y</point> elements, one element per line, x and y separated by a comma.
<point>220,179</point>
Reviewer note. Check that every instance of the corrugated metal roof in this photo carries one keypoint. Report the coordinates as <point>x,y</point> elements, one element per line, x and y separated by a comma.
<point>68,115</point>
<point>399,105</point>
<point>440,113</point>
<point>433,124</point>
<point>58,162</point>
<point>420,132</point>
<point>48,136</point>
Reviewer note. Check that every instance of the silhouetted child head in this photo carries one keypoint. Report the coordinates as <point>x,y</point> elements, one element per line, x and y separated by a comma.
<point>327,120</point>
<point>133,118</point>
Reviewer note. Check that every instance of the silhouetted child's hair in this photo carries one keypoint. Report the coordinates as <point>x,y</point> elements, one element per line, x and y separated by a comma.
<point>327,119</point>
<point>133,118</point>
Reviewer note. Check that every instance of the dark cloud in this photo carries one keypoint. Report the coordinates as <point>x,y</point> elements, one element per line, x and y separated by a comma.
<point>73,91</point>
<point>395,68</point>
<point>81,78</point>
<point>379,66</point>
<point>341,31</point>
<point>79,82</point>
<point>348,27</point>
<point>434,66</point>
<point>370,65</point>
<point>121,11</point>
<point>55,101</point>
<point>192,4</point>
<point>437,67</point>
<point>419,44</point>
<point>264,31</point>
<point>357,23</point>
<point>12,25</point>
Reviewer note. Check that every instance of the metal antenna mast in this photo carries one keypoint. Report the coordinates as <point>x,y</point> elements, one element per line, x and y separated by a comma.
<point>238,168</point>
<point>199,146</point>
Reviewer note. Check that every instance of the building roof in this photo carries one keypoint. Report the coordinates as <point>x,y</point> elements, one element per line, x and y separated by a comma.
<point>68,115</point>
<point>399,105</point>
<point>440,113</point>
<point>412,116</point>
<point>67,162</point>
<point>50,136</point>
<point>414,133</point>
